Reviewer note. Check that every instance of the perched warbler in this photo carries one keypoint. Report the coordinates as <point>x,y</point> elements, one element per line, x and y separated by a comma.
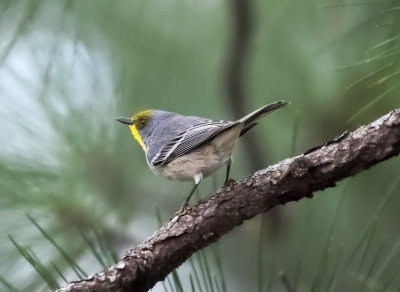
<point>187,147</point>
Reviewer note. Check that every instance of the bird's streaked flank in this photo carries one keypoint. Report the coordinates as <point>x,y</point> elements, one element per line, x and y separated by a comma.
<point>188,147</point>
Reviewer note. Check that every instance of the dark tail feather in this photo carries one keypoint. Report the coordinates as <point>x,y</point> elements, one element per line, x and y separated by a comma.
<point>245,130</point>
<point>249,119</point>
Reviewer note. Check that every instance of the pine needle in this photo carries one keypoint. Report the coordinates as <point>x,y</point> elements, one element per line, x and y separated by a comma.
<point>325,257</point>
<point>177,281</point>
<point>295,133</point>
<point>260,257</point>
<point>218,261</point>
<point>385,79</point>
<point>274,259</point>
<point>370,75</point>
<point>387,24</point>
<point>91,244</point>
<point>78,270</point>
<point>9,286</point>
<point>393,9</point>
<point>374,263</point>
<point>302,246</point>
<point>203,272</point>
<point>30,10</point>
<point>349,4</point>
<point>375,215</point>
<point>367,247</point>
<point>60,274</point>
<point>37,265</point>
<point>390,257</point>
<point>170,284</point>
<point>384,43</point>
<point>196,275</point>
<point>285,281</point>
<point>371,103</point>
<point>191,283</point>
<point>334,271</point>
<point>216,283</point>
<point>107,251</point>
<point>207,269</point>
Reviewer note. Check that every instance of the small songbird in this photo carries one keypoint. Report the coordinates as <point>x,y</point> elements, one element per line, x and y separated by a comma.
<point>188,148</point>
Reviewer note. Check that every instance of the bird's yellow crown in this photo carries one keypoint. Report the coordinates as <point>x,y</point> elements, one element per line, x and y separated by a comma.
<point>140,120</point>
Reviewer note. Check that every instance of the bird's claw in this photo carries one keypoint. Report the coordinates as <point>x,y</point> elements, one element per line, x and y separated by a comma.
<point>229,182</point>
<point>183,210</point>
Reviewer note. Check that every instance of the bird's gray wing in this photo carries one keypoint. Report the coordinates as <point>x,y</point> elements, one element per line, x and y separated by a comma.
<point>189,139</point>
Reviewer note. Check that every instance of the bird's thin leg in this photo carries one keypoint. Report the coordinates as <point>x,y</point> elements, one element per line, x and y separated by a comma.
<point>228,170</point>
<point>186,202</point>
<point>197,179</point>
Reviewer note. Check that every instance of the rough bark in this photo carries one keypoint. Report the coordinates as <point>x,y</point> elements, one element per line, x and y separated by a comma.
<point>289,180</point>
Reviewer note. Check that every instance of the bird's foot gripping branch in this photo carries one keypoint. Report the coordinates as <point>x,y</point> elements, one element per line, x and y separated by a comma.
<point>289,180</point>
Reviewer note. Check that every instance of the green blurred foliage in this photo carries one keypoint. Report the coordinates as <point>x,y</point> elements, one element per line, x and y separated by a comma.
<point>68,68</point>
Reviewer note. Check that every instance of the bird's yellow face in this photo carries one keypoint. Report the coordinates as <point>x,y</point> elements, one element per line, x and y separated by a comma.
<point>140,121</point>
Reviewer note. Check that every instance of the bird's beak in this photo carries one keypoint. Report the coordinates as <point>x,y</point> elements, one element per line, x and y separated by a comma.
<point>127,121</point>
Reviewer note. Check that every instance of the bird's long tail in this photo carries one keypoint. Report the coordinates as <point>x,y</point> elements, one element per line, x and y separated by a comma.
<point>249,120</point>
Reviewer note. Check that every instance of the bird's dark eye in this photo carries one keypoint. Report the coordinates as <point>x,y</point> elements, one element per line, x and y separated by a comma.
<point>141,124</point>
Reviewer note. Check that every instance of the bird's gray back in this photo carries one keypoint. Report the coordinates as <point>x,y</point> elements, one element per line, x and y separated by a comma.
<point>167,127</point>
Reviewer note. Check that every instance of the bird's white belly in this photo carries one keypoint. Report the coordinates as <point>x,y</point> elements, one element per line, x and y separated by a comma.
<point>203,160</point>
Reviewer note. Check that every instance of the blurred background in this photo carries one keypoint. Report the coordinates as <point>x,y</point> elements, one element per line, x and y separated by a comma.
<point>75,189</point>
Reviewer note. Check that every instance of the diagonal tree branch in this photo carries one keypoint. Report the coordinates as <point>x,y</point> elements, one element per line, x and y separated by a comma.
<point>289,180</point>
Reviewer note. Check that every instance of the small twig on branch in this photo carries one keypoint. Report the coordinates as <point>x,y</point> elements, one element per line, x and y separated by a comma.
<point>290,180</point>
